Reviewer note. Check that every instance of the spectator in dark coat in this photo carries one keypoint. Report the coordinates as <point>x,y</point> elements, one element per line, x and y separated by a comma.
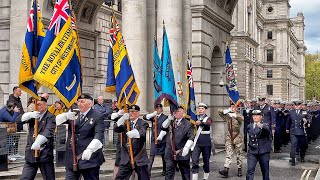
<point>15,97</point>
<point>9,113</point>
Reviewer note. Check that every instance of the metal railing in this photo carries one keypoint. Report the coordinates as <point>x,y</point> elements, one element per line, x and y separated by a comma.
<point>16,142</point>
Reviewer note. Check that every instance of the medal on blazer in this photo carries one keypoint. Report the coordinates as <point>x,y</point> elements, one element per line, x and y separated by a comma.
<point>91,119</point>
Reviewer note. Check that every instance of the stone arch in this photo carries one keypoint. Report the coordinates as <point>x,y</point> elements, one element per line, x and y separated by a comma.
<point>218,97</point>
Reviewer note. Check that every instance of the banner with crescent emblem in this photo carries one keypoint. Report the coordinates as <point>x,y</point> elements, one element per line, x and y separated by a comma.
<point>59,63</point>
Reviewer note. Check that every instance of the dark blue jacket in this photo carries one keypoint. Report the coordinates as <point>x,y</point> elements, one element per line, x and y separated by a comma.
<point>7,116</point>
<point>295,122</point>
<point>85,131</point>
<point>259,139</point>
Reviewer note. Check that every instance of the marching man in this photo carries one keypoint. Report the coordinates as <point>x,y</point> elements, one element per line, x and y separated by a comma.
<point>157,147</point>
<point>179,141</point>
<point>89,132</point>
<point>202,143</point>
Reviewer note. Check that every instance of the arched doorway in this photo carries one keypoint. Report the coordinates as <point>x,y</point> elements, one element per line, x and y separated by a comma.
<point>218,97</point>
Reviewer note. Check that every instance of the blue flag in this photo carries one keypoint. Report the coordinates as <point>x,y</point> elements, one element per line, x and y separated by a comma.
<point>168,82</point>
<point>59,63</point>
<point>231,80</point>
<point>30,50</point>
<point>157,75</point>
<point>120,77</point>
<point>191,101</point>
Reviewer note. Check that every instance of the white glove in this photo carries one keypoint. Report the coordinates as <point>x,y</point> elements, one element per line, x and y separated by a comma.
<point>187,147</point>
<point>304,120</point>
<point>29,115</point>
<point>121,121</point>
<point>161,135</point>
<point>226,111</point>
<point>232,115</point>
<point>38,142</point>
<point>151,115</point>
<point>167,122</point>
<point>94,145</point>
<point>133,134</point>
<point>121,112</point>
<point>61,118</point>
<point>114,115</point>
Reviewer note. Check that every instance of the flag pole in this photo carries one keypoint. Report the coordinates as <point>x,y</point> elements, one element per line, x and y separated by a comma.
<point>128,129</point>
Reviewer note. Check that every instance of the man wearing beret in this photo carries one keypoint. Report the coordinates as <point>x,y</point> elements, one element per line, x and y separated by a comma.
<point>259,146</point>
<point>137,134</point>
<point>180,136</point>
<point>43,143</point>
<point>89,131</point>
<point>202,143</point>
<point>157,147</point>
<point>296,125</point>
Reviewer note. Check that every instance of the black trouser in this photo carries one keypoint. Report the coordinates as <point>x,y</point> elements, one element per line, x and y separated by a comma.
<point>245,136</point>
<point>125,172</point>
<point>206,152</point>
<point>87,174</point>
<point>263,160</point>
<point>277,141</point>
<point>298,141</point>
<point>151,159</point>
<point>184,167</point>
<point>29,171</point>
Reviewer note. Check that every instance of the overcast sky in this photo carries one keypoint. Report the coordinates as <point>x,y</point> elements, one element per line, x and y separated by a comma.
<point>310,9</point>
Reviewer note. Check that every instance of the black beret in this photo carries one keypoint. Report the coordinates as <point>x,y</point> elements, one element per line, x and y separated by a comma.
<point>43,99</point>
<point>85,96</point>
<point>134,107</point>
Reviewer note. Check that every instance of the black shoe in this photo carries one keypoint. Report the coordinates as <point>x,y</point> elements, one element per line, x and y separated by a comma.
<point>224,172</point>
<point>293,162</point>
<point>163,173</point>
<point>239,172</point>
<point>302,160</point>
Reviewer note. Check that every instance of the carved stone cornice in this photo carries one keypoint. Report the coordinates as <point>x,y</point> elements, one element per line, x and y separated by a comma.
<point>212,16</point>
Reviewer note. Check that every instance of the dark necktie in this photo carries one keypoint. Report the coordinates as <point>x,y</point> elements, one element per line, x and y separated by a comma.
<point>81,117</point>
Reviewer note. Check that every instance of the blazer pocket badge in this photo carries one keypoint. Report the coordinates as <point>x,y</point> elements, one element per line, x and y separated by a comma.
<point>91,120</point>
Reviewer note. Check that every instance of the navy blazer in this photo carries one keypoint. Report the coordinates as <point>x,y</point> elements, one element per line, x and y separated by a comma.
<point>91,127</point>
<point>138,144</point>
<point>46,127</point>
<point>182,133</point>
<point>269,116</point>
<point>259,139</point>
<point>295,122</point>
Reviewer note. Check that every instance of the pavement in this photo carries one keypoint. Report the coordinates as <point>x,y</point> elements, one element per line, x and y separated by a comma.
<point>280,169</point>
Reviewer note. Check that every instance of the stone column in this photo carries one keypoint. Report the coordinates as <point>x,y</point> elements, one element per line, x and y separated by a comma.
<point>134,28</point>
<point>170,12</point>
<point>18,25</point>
<point>151,16</point>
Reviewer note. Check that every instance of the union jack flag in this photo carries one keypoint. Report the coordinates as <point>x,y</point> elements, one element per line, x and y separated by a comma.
<point>114,29</point>
<point>61,9</point>
<point>189,73</point>
<point>191,103</point>
<point>30,25</point>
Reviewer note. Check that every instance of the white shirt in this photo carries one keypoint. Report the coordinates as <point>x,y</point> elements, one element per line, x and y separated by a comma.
<point>178,121</point>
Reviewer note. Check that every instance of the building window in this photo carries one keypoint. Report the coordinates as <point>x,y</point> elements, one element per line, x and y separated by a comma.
<point>269,34</point>
<point>270,89</point>
<point>270,55</point>
<point>269,73</point>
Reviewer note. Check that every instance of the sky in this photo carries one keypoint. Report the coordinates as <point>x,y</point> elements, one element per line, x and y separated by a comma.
<point>310,9</point>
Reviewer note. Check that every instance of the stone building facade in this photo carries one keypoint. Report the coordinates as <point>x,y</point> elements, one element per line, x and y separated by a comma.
<point>268,50</point>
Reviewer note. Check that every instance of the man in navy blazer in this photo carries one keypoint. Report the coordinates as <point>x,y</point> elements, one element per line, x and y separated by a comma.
<point>259,146</point>
<point>89,132</point>
<point>296,125</point>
